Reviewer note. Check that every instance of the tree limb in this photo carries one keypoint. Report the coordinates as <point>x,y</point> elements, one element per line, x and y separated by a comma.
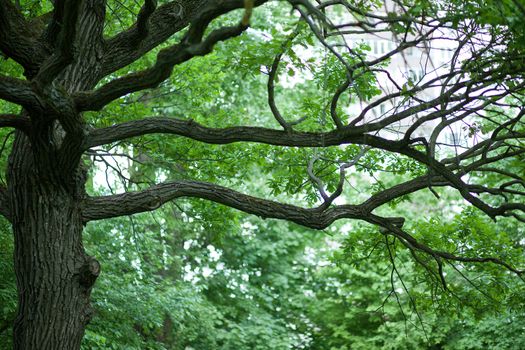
<point>19,39</point>
<point>164,21</point>
<point>190,128</point>
<point>65,22</point>
<point>413,244</point>
<point>168,19</point>
<point>97,208</point>
<point>143,18</point>
<point>152,77</point>
<point>20,122</point>
<point>20,92</point>
<point>355,135</point>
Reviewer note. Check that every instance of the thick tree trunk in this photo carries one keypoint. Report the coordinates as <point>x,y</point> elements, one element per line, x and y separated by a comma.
<point>54,275</point>
<point>45,188</point>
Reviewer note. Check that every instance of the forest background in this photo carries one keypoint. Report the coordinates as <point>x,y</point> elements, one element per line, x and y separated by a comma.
<point>197,275</point>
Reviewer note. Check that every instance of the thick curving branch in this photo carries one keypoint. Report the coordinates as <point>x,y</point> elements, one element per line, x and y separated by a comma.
<point>19,38</point>
<point>97,208</point>
<point>143,19</point>
<point>157,27</point>
<point>64,27</point>
<point>356,135</point>
<point>152,77</point>
<point>16,121</point>
<point>149,32</point>
<point>190,128</point>
<point>19,92</point>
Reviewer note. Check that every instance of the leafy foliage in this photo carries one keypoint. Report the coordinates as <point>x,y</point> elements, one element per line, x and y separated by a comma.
<point>198,276</point>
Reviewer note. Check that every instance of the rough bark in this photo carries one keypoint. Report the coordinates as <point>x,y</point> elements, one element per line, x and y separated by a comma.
<point>64,56</point>
<point>19,38</point>
<point>46,184</point>
<point>54,275</point>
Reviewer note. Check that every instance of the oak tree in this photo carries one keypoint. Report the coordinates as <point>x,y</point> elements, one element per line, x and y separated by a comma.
<point>71,64</point>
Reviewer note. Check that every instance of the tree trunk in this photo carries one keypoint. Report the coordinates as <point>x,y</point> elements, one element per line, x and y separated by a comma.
<point>45,187</point>
<point>54,275</point>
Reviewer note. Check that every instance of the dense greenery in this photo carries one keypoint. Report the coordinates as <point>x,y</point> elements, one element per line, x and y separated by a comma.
<point>196,275</point>
<point>170,283</point>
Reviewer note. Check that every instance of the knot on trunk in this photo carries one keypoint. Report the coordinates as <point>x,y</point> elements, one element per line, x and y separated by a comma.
<point>89,272</point>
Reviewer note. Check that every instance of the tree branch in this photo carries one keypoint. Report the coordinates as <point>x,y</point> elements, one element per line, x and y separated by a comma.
<point>143,17</point>
<point>270,86</point>
<point>413,244</point>
<point>196,131</point>
<point>19,39</point>
<point>20,92</point>
<point>20,122</point>
<point>65,22</point>
<point>166,20</point>
<point>152,77</point>
<point>97,208</point>
<point>355,135</point>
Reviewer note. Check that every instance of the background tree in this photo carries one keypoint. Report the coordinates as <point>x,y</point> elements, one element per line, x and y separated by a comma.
<point>73,83</point>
